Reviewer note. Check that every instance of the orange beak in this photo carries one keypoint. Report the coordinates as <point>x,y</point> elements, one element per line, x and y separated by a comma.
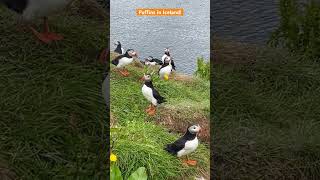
<point>142,78</point>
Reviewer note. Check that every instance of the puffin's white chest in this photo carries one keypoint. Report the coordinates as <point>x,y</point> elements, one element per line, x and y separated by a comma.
<point>124,61</point>
<point>148,94</point>
<point>189,147</point>
<point>165,70</point>
<point>41,8</point>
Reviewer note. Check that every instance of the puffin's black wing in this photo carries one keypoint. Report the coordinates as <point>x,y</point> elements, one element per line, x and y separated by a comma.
<point>16,5</point>
<point>175,147</point>
<point>172,64</point>
<point>118,49</point>
<point>158,61</point>
<point>158,97</point>
<point>116,60</point>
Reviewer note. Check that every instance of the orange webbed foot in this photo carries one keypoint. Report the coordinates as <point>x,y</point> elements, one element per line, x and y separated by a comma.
<point>53,36</point>
<point>148,109</point>
<point>190,162</point>
<point>124,73</point>
<point>152,111</point>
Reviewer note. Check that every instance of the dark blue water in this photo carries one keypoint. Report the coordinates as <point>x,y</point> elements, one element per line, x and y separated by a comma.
<point>250,21</point>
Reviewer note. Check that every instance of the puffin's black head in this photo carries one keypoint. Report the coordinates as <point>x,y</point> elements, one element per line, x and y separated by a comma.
<point>131,53</point>
<point>146,77</point>
<point>167,51</point>
<point>149,58</point>
<point>117,43</point>
<point>194,129</point>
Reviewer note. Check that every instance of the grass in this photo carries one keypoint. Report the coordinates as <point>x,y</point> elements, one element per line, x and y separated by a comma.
<point>299,28</point>
<point>266,117</point>
<point>203,68</point>
<point>139,139</point>
<point>53,122</point>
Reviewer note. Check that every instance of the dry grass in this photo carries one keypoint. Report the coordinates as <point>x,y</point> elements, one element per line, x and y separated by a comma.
<point>6,173</point>
<point>88,8</point>
<point>176,119</point>
<point>265,126</point>
<point>113,120</point>
<point>183,77</point>
<point>231,52</point>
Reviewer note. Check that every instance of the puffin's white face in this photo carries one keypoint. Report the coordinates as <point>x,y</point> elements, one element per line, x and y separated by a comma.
<point>133,53</point>
<point>147,77</point>
<point>194,129</point>
<point>167,59</point>
<point>166,50</point>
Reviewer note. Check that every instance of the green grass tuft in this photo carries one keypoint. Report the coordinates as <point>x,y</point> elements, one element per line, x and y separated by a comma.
<point>139,141</point>
<point>203,68</point>
<point>266,118</point>
<point>53,122</point>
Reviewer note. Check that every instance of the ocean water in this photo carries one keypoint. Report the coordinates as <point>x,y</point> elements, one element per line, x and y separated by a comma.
<point>188,37</point>
<point>247,21</point>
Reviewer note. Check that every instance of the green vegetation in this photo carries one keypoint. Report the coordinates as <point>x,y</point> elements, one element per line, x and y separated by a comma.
<point>299,29</point>
<point>203,68</point>
<point>139,139</point>
<point>52,120</point>
<point>139,174</point>
<point>266,117</point>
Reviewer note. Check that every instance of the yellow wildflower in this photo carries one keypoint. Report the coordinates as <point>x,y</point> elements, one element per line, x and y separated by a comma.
<point>113,157</point>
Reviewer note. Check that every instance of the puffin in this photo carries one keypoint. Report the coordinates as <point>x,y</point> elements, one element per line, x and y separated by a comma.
<point>151,94</point>
<point>167,54</point>
<point>186,144</point>
<point>166,68</point>
<point>119,49</point>
<point>34,9</point>
<point>122,60</point>
<point>151,61</point>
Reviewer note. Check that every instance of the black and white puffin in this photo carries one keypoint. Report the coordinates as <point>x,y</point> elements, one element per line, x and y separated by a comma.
<point>122,60</point>
<point>151,61</point>
<point>33,9</point>
<point>119,49</point>
<point>166,54</point>
<point>151,94</point>
<point>186,144</point>
<point>166,68</point>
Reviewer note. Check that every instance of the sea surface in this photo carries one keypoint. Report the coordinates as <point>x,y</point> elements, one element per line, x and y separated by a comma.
<point>249,21</point>
<point>187,37</point>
